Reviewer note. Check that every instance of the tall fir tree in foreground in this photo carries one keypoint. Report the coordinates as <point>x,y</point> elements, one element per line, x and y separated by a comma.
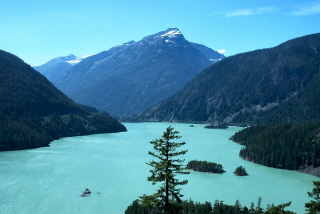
<point>167,199</point>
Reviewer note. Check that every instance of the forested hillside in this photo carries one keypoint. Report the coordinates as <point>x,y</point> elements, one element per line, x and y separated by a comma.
<point>284,146</point>
<point>33,112</point>
<point>270,86</point>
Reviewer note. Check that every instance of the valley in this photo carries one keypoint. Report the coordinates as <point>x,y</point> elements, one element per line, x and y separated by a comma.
<point>171,107</point>
<point>164,78</point>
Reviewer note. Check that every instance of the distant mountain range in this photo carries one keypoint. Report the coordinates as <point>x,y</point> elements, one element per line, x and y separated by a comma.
<point>212,55</point>
<point>132,77</point>
<point>56,67</point>
<point>269,86</point>
<point>33,112</point>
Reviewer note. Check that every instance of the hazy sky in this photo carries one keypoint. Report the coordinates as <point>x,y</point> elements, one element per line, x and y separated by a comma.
<point>40,30</point>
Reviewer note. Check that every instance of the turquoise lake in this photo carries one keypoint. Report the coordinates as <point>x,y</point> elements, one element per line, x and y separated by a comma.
<point>51,179</point>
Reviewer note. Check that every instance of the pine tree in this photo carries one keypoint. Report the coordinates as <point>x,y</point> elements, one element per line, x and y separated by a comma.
<point>313,206</point>
<point>240,171</point>
<point>279,209</point>
<point>167,198</point>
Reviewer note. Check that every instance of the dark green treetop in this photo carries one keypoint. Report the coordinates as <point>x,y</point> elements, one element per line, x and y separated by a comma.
<point>240,171</point>
<point>205,166</point>
<point>313,207</point>
<point>279,209</point>
<point>167,197</point>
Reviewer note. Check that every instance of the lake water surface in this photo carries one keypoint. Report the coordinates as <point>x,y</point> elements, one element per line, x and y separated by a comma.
<point>51,179</point>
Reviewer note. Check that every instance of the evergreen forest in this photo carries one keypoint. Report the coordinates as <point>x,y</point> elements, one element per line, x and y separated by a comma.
<point>205,166</point>
<point>218,207</point>
<point>240,171</point>
<point>285,146</point>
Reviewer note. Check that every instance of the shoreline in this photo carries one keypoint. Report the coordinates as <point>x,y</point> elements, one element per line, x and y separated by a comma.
<point>310,171</point>
<point>306,170</point>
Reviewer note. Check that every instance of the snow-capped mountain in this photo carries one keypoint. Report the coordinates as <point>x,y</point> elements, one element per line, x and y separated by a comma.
<point>265,86</point>
<point>212,55</point>
<point>134,76</point>
<point>56,67</point>
<point>170,33</point>
<point>76,60</point>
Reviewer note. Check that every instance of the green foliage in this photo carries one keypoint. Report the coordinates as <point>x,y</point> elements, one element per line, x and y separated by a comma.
<point>136,208</point>
<point>313,207</point>
<point>268,86</point>
<point>167,197</point>
<point>219,126</point>
<point>205,166</point>
<point>279,209</point>
<point>240,171</point>
<point>191,207</point>
<point>33,112</point>
<point>284,146</point>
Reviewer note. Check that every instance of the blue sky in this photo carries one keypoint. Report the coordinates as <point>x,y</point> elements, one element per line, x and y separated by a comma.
<point>40,30</point>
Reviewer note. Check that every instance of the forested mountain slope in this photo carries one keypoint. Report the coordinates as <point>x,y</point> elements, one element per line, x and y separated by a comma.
<point>271,85</point>
<point>135,76</point>
<point>33,112</point>
<point>285,146</point>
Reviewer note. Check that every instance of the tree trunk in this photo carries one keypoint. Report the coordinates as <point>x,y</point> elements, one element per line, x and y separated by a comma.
<point>167,206</point>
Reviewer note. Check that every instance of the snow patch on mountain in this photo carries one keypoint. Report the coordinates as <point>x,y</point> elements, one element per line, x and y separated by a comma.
<point>221,51</point>
<point>77,60</point>
<point>126,44</point>
<point>172,33</point>
<point>167,40</point>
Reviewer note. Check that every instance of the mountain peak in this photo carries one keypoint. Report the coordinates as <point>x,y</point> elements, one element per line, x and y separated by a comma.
<point>170,32</point>
<point>65,58</point>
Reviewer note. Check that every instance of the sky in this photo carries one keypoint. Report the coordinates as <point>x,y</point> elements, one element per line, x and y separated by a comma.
<point>40,30</point>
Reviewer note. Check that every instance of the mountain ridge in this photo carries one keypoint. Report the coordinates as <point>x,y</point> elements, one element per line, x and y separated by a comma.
<point>130,78</point>
<point>56,67</point>
<point>250,88</point>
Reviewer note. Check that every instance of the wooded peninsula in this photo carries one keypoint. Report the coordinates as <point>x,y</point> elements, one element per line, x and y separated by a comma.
<point>292,146</point>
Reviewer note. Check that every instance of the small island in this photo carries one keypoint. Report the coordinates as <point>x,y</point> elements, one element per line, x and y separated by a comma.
<point>240,171</point>
<point>205,166</point>
<point>219,126</point>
